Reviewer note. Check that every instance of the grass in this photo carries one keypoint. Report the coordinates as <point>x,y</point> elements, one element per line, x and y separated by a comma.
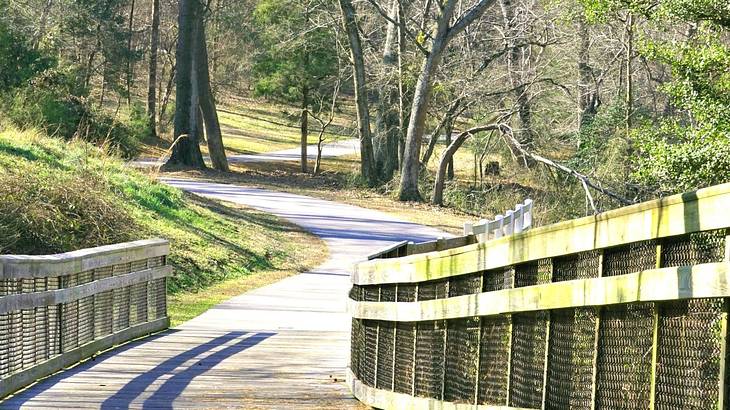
<point>60,196</point>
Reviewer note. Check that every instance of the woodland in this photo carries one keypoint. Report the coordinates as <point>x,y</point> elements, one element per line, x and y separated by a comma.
<point>593,104</point>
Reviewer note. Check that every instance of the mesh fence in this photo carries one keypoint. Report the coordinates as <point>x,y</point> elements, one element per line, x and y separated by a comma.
<point>624,356</point>
<point>497,279</point>
<point>387,293</point>
<point>465,285</point>
<point>406,292</point>
<point>462,355</point>
<point>494,360</point>
<point>436,289</point>
<point>583,265</point>
<point>694,248</point>
<point>357,345</point>
<point>689,347</point>
<point>386,348</point>
<point>631,258</point>
<point>570,359</point>
<point>533,273</point>
<point>367,354</point>
<point>429,375</point>
<point>405,337</point>
<point>529,331</point>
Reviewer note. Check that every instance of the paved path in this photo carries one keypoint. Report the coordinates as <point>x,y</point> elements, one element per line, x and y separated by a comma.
<point>284,346</point>
<point>330,150</point>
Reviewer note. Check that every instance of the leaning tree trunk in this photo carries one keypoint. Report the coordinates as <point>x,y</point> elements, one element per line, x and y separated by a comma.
<point>412,155</point>
<point>152,74</point>
<point>363,113</point>
<point>386,140</point>
<point>207,101</point>
<point>185,151</point>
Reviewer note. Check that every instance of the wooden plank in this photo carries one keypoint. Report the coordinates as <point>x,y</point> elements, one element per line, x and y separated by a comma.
<point>709,280</point>
<point>17,302</point>
<point>25,266</point>
<point>379,253</point>
<point>702,210</point>
<point>28,376</point>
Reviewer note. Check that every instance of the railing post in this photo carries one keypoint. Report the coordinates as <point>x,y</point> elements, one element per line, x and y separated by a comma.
<point>723,341</point>
<point>468,228</point>
<point>596,341</point>
<point>509,223</point>
<point>519,218</point>
<point>528,214</point>
<point>498,232</point>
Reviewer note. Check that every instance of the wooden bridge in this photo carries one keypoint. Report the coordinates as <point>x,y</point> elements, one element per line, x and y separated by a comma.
<point>624,310</point>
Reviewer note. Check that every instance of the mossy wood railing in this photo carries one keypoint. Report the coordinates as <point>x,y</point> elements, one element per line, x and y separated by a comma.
<point>57,310</point>
<point>626,309</point>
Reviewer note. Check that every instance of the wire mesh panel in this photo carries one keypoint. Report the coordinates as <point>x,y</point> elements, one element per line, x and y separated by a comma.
<point>357,340</point>
<point>583,265</point>
<point>4,332</point>
<point>462,360</point>
<point>406,292</point>
<point>53,335</point>
<point>69,317</point>
<point>494,360</point>
<point>386,346</point>
<point>29,329</point>
<point>103,303</point>
<point>570,359</point>
<point>371,293</point>
<point>430,358</point>
<point>435,289</point>
<point>138,308</point>
<point>405,336</point>
<point>529,331</point>
<point>368,354</point>
<point>533,273</point>
<point>356,293</point>
<point>86,312</point>
<point>387,293</point>
<point>624,357</point>
<point>688,351</point>
<point>465,285</point>
<point>498,279</point>
<point>694,248</point>
<point>631,258</point>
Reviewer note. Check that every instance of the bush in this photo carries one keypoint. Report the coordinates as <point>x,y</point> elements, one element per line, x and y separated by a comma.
<point>56,102</point>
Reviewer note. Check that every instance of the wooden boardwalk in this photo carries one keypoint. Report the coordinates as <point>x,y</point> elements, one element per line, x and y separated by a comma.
<point>285,345</point>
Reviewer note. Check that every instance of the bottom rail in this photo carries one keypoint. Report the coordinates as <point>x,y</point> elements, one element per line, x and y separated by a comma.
<point>385,399</point>
<point>28,376</point>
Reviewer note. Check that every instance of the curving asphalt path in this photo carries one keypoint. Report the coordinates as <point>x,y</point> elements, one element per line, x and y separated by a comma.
<point>285,345</point>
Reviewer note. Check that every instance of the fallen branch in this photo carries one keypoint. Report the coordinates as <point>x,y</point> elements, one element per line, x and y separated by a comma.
<point>584,180</point>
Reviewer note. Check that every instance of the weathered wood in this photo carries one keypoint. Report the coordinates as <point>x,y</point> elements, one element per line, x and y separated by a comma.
<point>25,266</point>
<point>709,280</point>
<point>20,301</point>
<point>25,377</point>
<point>702,210</point>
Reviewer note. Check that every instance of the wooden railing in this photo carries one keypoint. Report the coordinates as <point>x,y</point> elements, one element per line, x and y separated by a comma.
<point>626,309</point>
<point>513,221</point>
<point>57,310</point>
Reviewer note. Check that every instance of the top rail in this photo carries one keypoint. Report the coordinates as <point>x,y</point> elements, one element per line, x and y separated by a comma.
<point>705,209</point>
<point>46,266</point>
<point>513,221</point>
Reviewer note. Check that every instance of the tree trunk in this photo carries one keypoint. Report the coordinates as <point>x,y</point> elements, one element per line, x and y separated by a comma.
<point>363,114</point>
<point>450,165</point>
<point>207,101</point>
<point>304,127</point>
<point>152,74</point>
<point>385,144</point>
<point>450,113</point>
<point>130,66</point>
<point>186,151</point>
<point>515,38</point>
<point>588,100</point>
<point>412,155</point>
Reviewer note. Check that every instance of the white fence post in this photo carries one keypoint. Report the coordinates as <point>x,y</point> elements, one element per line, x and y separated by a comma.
<point>468,228</point>
<point>499,231</point>
<point>519,215</point>
<point>528,214</point>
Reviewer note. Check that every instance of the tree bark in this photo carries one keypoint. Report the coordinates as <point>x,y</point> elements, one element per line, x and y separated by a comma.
<point>448,155</point>
<point>434,136</point>
<point>207,101</point>
<point>304,127</point>
<point>515,74</point>
<point>363,112</point>
<point>152,74</point>
<point>588,99</point>
<point>385,143</point>
<point>444,33</point>
<point>130,65</point>
<point>186,151</point>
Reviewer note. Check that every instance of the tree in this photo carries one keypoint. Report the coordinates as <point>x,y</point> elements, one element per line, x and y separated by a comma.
<point>186,150</point>
<point>443,34</point>
<point>296,62</point>
<point>152,69</point>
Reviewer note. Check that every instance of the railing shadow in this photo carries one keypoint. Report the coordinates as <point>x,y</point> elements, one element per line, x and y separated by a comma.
<point>163,397</point>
